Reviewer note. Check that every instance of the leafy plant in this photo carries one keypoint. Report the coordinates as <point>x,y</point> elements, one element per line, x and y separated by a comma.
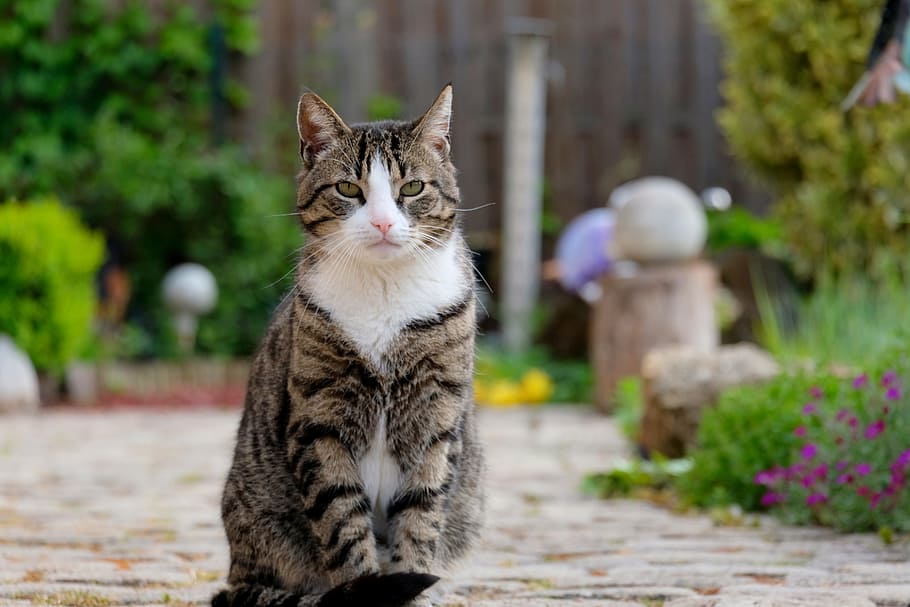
<point>738,228</point>
<point>841,180</point>
<point>628,406</point>
<point>110,106</point>
<point>504,378</point>
<point>629,477</point>
<point>851,463</point>
<point>846,321</point>
<point>384,107</point>
<point>751,429</point>
<point>48,261</point>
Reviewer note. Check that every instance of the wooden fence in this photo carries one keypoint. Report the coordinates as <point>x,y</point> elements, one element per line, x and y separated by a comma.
<point>633,88</point>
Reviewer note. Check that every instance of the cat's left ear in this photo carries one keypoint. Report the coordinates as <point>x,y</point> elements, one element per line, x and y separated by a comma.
<point>433,126</point>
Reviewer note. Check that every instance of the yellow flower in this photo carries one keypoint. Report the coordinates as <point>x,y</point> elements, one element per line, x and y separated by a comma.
<point>536,386</point>
<point>504,393</point>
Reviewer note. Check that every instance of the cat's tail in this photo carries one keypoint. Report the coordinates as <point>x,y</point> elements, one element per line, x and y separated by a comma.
<point>391,590</point>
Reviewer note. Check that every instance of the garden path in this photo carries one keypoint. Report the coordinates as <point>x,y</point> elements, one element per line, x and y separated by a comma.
<point>122,508</point>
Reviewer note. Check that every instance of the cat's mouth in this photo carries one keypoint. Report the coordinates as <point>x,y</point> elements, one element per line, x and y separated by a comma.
<point>385,248</point>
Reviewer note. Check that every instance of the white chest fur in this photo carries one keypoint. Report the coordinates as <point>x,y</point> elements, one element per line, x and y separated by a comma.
<point>381,477</point>
<point>373,302</point>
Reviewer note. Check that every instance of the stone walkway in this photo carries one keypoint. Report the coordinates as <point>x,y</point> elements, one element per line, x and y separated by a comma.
<point>111,508</point>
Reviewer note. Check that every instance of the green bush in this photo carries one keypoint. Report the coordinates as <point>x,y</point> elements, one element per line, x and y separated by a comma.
<point>165,202</point>
<point>737,228</point>
<point>850,466</point>
<point>849,321</point>
<point>751,429</point>
<point>110,106</point>
<point>48,262</point>
<point>841,181</point>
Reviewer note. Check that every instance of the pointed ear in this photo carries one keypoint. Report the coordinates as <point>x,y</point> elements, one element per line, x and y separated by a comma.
<point>433,126</point>
<point>318,125</point>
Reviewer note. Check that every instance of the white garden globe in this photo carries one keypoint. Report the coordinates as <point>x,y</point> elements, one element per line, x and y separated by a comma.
<point>657,219</point>
<point>18,379</point>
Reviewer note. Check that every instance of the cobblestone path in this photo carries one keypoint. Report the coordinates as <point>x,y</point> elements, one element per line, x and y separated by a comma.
<point>114,508</point>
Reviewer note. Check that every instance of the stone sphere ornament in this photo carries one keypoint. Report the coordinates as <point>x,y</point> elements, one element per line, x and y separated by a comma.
<point>189,292</point>
<point>657,219</point>
<point>18,380</point>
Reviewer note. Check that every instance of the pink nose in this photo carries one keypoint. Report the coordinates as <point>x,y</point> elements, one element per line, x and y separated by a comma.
<point>383,226</point>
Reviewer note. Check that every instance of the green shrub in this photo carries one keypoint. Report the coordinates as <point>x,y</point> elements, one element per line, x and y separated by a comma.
<point>848,321</point>
<point>165,202</point>
<point>628,404</point>
<point>750,430</point>
<point>115,115</point>
<point>841,181</point>
<point>48,262</point>
<point>850,466</point>
<point>738,228</point>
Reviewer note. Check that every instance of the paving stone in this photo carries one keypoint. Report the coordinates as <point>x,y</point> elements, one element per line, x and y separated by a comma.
<point>123,509</point>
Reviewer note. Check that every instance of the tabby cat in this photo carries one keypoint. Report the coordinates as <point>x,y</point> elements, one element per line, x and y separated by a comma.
<point>356,477</point>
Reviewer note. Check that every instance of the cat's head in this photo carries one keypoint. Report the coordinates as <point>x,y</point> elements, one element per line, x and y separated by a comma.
<point>376,191</point>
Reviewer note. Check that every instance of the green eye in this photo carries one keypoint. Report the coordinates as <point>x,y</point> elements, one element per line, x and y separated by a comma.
<point>348,189</point>
<point>412,188</point>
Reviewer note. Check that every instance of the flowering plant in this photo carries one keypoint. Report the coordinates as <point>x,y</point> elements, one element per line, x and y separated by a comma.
<point>851,462</point>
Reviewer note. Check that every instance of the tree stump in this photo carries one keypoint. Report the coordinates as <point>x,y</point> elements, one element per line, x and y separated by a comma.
<point>662,304</point>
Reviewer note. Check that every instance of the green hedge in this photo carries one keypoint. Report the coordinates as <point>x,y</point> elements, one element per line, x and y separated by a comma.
<point>109,105</point>
<point>48,261</point>
<point>841,181</point>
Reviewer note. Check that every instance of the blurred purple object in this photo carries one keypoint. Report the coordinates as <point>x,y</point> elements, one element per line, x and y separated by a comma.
<point>581,251</point>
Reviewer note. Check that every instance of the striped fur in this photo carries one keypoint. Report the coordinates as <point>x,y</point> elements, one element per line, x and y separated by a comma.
<point>361,389</point>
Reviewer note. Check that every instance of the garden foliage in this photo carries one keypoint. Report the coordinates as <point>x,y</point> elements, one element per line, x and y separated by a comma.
<point>852,462</point>
<point>48,261</point>
<point>110,105</point>
<point>815,449</point>
<point>750,429</point>
<point>841,181</point>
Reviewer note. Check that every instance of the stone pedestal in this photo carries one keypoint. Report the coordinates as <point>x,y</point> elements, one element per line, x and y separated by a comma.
<point>660,305</point>
<point>678,383</point>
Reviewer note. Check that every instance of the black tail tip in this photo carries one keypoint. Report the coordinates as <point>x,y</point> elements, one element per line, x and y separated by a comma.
<point>222,599</point>
<point>392,590</point>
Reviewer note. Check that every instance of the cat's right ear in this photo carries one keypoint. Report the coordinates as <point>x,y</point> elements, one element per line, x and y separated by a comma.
<point>318,126</point>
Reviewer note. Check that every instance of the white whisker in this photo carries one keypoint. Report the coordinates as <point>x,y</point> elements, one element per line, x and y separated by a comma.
<point>483,206</point>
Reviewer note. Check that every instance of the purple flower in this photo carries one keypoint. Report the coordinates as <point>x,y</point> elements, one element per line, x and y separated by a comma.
<point>860,380</point>
<point>888,378</point>
<point>841,465</point>
<point>903,460</point>
<point>816,498</point>
<point>863,469</point>
<point>766,477</point>
<point>799,431</point>
<point>809,408</point>
<point>842,415</point>
<point>816,392</point>
<point>793,471</point>
<point>807,481</point>
<point>893,393</point>
<point>845,479</point>
<point>770,498</point>
<point>809,451</point>
<point>821,472</point>
<point>874,429</point>
<point>853,422</point>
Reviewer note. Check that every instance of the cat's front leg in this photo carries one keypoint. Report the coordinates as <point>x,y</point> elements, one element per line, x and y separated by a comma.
<point>416,513</point>
<point>335,504</point>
